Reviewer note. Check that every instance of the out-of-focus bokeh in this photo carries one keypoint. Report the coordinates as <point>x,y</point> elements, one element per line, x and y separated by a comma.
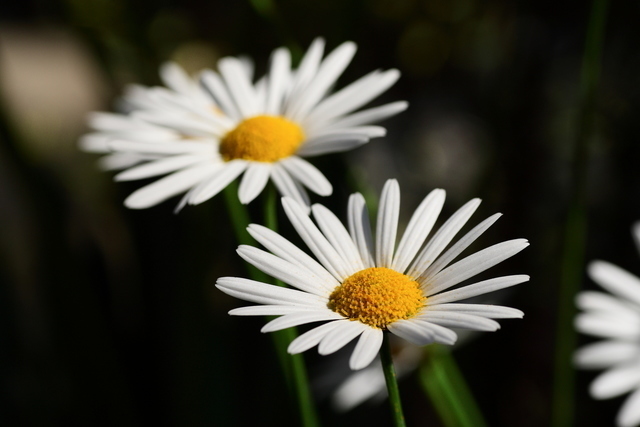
<point>109,316</point>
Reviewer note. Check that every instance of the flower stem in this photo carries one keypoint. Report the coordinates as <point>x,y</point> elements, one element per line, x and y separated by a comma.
<point>293,366</point>
<point>572,262</point>
<point>443,382</point>
<point>392,383</point>
<point>239,221</point>
<point>296,369</point>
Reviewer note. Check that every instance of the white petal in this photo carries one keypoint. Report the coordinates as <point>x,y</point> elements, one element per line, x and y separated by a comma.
<point>442,238</point>
<point>339,337</point>
<point>308,175</point>
<point>442,335</point>
<point>186,123</point>
<point>329,71</point>
<point>262,293</point>
<point>290,252</point>
<point>289,273</point>
<point>277,80</point>
<point>96,142</point>
<point>360,228</point>
<point>314,239</point>
<point>479,288</point>
<point>338,236</point>
<point>102,121</point>
<point>615,280</point>
<point>177,147</point>
<point>261,93</point>
<point>302,318</point>
<point>368,131</point>
<point>288,187</point>
<point>253,181</point>
<point>606,326</point>
<point>305,73</point>
<point>604,354</point>
<point>418,229</point>
<point>239,85</point>
<point>457,248</point>
<point>217,182</point>
<point>387,224</point>
<point>168,186</point>
<point>333,143</point>
<point>196,104</point>
<point>371,115</point>
<point>352,97</point>
<point>311,338</point>
<point>459,320</point>
<point>174,77</point>
<point>412,331</point>
<point>606,304</point>
<point>117,161</point>
<point>359,387</point>
<point>135,97</point>
<point>247,66</point>
<point>616,381</point>
<point>629,415</point>
<point>635,231</point>
<point>474,264</point>
<point>367,349</point>
<point>489,311</point>
<point>267,310</point>
<point>158,167</point>
<point>216,87</point>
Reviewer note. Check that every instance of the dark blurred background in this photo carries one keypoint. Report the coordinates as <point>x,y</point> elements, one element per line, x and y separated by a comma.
<point>109,316</point>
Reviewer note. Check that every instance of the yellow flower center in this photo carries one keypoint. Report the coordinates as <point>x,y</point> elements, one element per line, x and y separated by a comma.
<point>377,296</point>
<point>262,139</point>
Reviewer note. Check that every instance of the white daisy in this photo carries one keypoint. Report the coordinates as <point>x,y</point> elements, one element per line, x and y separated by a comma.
<point>362,287</point>
<point>204,136</point>
<point>615,317</point>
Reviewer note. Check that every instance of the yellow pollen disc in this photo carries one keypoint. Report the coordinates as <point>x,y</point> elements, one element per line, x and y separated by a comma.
<point>262,139</point>
<point>377,296</point>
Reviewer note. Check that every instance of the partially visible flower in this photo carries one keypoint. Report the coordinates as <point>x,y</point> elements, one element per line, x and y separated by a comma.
<point>615,317</point>
<point>369,383</point>
<point>363,287</point>
<point>205,135</point>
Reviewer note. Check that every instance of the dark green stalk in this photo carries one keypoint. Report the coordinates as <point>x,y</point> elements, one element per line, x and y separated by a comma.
<point>293,366</point>
<point>443,382</point>
<point>296,366</point>
<point>572,263</point>
<point>239,221</point>
<point>392,383</point>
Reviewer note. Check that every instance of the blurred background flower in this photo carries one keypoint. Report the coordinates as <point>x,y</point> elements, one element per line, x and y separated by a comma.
<point>110,316</point>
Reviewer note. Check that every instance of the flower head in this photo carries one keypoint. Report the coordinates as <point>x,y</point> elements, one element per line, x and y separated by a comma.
<point>202,134</point>
<point>616,318</point>
<point>362,286</point>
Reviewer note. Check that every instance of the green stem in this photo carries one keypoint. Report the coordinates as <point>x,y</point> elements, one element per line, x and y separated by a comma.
<point>572,261</point>
<point>392,383</point>
<point>240,220</point>
<point>296,370</point>
<point>293,366</point>
<point>443,382</point>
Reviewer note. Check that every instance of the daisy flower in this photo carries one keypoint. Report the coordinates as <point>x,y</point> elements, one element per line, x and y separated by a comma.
<point>362,285</point>
<point>204,134</point>
<point>614,316</point>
